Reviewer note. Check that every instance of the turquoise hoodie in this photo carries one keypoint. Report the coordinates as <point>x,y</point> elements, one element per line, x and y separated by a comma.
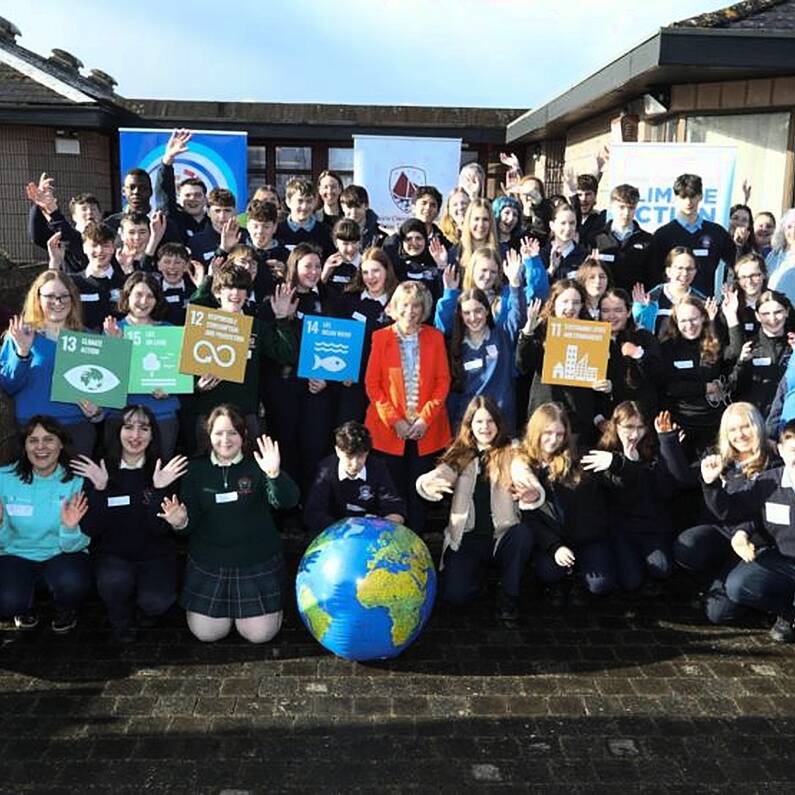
<point>31,526</point>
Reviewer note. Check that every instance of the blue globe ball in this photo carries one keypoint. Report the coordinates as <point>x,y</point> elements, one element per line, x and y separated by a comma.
<point>365,588</point>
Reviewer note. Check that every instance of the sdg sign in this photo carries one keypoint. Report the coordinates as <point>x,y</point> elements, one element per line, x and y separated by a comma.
<point>331,349</point>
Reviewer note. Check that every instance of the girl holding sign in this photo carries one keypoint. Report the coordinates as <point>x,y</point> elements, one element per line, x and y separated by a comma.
<point>141,302</point>
<point>41,507</point>
<point>133,550</point>
<point>365,299</point>
<point>235,572</point>
<point>27,358</point>
<point>584,404</point>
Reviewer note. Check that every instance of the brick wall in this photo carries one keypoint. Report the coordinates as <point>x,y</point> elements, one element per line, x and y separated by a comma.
<point>25,152</point>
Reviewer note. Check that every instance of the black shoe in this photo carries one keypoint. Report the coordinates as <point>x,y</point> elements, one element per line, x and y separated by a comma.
<point>27,621</point>
<point>507,608</point>
<point>124,634</point>
<point>782,631</point>
<point>65,621</point>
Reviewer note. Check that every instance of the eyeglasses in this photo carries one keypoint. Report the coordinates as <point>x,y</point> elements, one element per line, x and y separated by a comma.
<point>749,277</point>
<point>51,298</point>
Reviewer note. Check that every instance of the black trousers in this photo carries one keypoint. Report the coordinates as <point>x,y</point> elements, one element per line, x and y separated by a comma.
<point>405,470</point>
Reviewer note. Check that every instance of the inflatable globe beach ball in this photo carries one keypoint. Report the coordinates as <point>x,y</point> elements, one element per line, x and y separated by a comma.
<point>365,588</point>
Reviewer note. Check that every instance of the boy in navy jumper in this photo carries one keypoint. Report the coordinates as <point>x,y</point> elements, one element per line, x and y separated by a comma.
<point>350,484</point>
<point>592,221</point>
<point>271,256</point>
<point>709,242</point>
<point>301,226</point>
<point>764,579</point>
<point>173,260</point>
<point>622,244</point>
<point>355,206</point>
<point>185,204</point>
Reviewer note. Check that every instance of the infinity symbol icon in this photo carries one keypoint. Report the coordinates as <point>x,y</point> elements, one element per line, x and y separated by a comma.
<point>214,354</point>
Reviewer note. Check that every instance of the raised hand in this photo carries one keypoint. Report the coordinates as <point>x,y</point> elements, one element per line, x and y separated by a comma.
<point>510,160</point>
<point>711,467</point>
<point>639,294</point>
<point>196,271</point>
<point>284,301</point>
<point>664,424</point>
<point>126,259</point>
<point>73,510</point>
<point>157,228</point>
<point>42,194</point>
<point>267,456</point>
<point>177,145</point>
<point>533,317</point>
<point>512,268</point>
<point>791,339</point>
<point>450,278</point>
<point>334,261</point>
<point>730,306</point>
<point>55,252</point>
<point>173,511</point>
<point>747,351</point>
<point>277,268</point>
<point>22,334</point>
<point>746,188</point>
<point>711,308</point>
<point>317,385</point>
<point>90,410</point>
<point>597,461</point>
<point>570,179</point>
<point>631,350</point>
<point>438,252</point>
<point>164,476</point>
<point>207,382</point>
<point>86,468</point>
<point>602,156</point>
<point>230,232</point>
<point>110,326</point>
<point>529,248</point>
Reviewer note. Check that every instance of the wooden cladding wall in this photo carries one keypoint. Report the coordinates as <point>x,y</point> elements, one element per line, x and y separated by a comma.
<point>734,96</point>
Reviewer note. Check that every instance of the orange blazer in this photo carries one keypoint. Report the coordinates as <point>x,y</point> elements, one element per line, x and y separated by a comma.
<point>387,393</point>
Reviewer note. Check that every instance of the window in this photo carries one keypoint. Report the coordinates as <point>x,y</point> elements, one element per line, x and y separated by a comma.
<point>761,141</point>
<point>257,167</point>
<point>292,161</point>
<point>340,160</point>
<point>468,156</point>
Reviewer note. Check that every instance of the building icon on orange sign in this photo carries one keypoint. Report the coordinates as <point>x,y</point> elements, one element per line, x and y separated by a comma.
<point>574,369</point>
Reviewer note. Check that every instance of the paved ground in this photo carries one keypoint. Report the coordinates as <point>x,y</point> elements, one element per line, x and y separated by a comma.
<point>630,694</point>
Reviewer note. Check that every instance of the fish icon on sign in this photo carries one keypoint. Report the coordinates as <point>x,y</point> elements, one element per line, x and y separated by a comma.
<point>332,364</point>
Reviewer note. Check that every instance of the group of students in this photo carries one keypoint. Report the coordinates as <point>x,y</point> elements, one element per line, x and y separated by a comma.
<point>585,490</point>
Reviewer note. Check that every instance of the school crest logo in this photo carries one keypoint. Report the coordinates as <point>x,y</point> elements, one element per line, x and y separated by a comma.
<point>706,240</point>
<point>244,485</point>
<point>403,184</point>
<point>365,493</point>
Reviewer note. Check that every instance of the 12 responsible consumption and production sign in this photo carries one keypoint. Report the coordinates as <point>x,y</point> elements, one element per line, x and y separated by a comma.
<point>219,159</point>
<point>331,349</point>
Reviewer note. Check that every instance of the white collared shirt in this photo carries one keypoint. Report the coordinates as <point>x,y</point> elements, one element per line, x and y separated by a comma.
<point>343,475</point>
<point>214,460</point>
<point>381,299</point>
<point>137,465</point>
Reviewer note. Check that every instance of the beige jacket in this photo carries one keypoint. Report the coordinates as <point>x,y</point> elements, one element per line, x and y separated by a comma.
<point>504,509</point>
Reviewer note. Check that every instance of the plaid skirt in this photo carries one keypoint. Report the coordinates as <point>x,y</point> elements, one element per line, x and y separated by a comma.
<point>234,591</point>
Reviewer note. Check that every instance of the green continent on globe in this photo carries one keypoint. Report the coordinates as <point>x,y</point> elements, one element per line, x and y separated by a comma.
<point>401,593</point>
<point>319,620</point>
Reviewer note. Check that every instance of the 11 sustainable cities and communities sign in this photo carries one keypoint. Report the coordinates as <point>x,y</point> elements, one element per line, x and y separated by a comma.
<point>162,358</point>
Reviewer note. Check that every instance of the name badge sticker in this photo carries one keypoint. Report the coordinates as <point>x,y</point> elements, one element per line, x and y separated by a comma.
<point>473,364</point>
<point>349,506</point>
<point>89,298</point>
<point>762,361</point>
<point>173,299</point>
<point>684,364</point>
<point>700,252</point>
<point>18,509</point>
<point>607,257</point>
<point>777,513</point>
<point>119,502</point>
<point>359,316</point>
<point>226,496</point>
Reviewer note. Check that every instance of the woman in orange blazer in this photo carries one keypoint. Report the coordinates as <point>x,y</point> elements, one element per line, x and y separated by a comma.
<point>407,382</point>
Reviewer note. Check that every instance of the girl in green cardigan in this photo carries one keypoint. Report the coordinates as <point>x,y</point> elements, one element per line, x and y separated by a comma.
<point>235,571</point>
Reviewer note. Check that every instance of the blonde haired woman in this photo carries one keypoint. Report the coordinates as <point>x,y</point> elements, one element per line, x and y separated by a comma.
<point>27,358</point>
<point>407,382</point>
